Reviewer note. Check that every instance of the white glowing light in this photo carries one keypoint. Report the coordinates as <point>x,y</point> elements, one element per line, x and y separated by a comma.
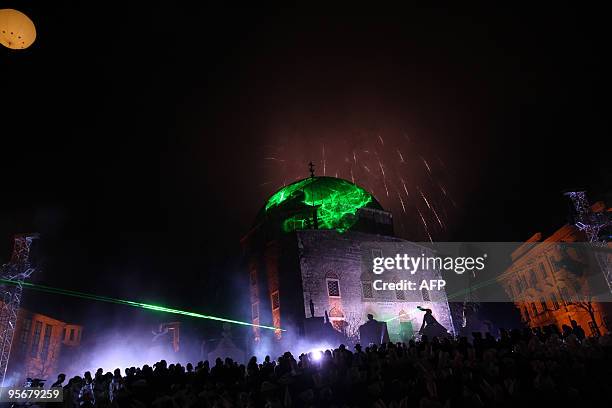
<point>317,355</point>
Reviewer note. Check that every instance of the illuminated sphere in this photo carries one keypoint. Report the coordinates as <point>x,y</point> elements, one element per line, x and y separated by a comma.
<point>336,201</point>
<point>17,31</point>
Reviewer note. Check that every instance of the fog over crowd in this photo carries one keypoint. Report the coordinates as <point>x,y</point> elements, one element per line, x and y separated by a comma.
<point>519,367</point>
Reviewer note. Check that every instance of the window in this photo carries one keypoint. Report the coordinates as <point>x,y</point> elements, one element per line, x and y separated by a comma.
<point>367,290</point>
<point>255,310</point>
<point>425,295</point>
<point>275,300</point>
<point>556,265</point>
<point>64,334</point>
<point>565,296</point>
<point>554,301</point>
<point>400,295</point>
<point>534,309</point>
<point>533,279</point>
<point>543,270</point>
<point>46,341</point>
<point>333,287</point>
<point>593,328</point>
<point>36,340</point>
<point>71,334</point>
<point>25,333</point>
<point>524,282</point>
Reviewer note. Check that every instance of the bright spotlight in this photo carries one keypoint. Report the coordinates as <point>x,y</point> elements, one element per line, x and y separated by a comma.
<point>317,355</point>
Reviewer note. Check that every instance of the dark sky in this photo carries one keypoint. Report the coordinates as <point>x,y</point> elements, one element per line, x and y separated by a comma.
<point>133,136</point>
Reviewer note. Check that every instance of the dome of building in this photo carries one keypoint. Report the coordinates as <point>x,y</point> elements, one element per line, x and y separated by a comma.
<point>318,202</point>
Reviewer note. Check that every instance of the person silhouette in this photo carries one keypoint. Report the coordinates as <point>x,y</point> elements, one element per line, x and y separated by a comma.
<point>578,330</point>
<point>60,381</point>
<point>430,327</point>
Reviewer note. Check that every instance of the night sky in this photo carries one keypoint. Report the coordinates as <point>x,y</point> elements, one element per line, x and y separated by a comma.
<point>136,139</point>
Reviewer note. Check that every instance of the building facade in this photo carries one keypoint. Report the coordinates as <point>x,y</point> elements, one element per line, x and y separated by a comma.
<point>546,291</point>
<point>308,255</point>
<point>40,345</point>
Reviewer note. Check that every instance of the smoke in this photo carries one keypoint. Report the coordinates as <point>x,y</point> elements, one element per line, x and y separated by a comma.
<point>291,341</point>
<point>122,348</point>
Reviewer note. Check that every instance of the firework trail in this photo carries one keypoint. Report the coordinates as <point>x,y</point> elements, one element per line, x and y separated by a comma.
<point>401,156</point>
<point>424,198</point>
<point>424,224</point>
<point>405,189</point>
<point>402,202</point>
<point>402,167</point>
<point>426,165</point>
<point>323,160</point>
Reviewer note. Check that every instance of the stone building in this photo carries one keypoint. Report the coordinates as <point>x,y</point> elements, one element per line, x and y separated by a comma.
<point>40,346</point>
<point>308,253</point>
<point>547,292</point>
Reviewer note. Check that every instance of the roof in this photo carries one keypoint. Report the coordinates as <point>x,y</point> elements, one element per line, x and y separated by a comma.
<point>335,200</point>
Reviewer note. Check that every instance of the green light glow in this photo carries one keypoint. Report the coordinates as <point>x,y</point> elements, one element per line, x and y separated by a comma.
<point>287,192</point>
<point>396,317</point>
<point>49,289</point>
<point>336,201</point>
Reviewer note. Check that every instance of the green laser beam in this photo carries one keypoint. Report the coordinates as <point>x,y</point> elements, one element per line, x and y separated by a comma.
<point>50,289</point>
<point>396,317</point>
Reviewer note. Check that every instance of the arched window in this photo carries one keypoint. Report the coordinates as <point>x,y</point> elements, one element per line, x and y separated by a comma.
<point>367,290</point>
<point>425,295</point>
<point>399,294</point>
<point>333,285</point>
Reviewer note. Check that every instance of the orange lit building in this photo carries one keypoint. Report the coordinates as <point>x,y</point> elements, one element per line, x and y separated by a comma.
<point>545,292</point>
<point>40,344</point>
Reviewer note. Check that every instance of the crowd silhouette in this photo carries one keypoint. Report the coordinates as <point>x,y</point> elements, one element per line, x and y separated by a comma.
<point>519,368</point>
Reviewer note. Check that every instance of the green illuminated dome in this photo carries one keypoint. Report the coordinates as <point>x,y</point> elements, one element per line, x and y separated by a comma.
<point>319,202</point>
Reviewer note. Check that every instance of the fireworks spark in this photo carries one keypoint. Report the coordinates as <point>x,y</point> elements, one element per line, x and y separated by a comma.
<point>401,156</point>
<point>387,165</point>
<point>402,202</point>
<point>426,165</point>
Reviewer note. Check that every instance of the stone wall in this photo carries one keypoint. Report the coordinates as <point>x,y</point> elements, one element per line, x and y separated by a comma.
<point>328,255</point>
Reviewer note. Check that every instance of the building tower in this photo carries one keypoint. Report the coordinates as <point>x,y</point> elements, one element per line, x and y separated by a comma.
<point>307,256</point>
<point>12,276</point>
<point>593,223</point>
